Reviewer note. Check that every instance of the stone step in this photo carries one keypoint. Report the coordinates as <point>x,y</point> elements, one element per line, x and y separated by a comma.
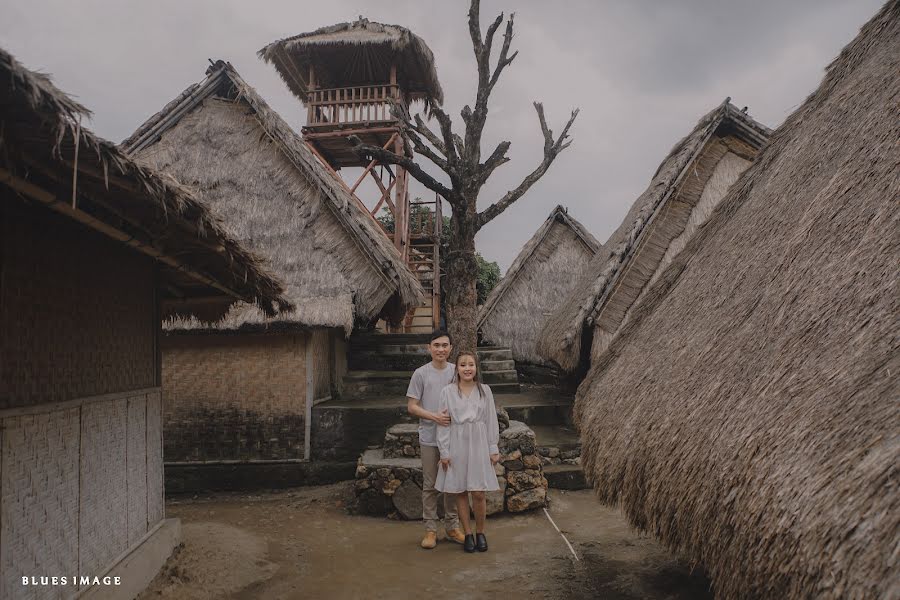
<point>344,427</point>
<point>540,414</point>
<point>386,361</point>
<point>402,441</point>
<point>492,377</point>
<point>494,354</point>
<point>505,388</point>
<point>375,340</point>
<point>359,384</point>
<point>565,477</point>
<point>497,365</point>
<point>561,437</point>
<point>342,430</point>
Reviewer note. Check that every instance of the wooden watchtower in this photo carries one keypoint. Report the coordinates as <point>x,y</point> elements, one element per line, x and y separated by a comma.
<point>351,77</point>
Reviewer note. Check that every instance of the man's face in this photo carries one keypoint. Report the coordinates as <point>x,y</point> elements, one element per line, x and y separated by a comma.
<point>439,348</point>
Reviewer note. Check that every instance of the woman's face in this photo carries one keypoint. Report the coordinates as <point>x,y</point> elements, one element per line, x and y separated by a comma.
<point>466,367</point>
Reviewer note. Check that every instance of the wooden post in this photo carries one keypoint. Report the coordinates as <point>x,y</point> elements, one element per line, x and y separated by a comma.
<point>400,224</point>
<point>311,110</point>
<point>436,282</point>
<point>310,397</point>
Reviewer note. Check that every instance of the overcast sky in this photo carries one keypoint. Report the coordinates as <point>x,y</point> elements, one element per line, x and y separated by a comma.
<point>641,72</point>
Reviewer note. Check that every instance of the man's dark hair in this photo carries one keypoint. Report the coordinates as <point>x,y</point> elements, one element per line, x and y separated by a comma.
<point>439,333</point>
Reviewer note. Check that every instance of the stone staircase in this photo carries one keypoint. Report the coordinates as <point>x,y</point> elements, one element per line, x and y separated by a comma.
<point>373,399</point>
<point>498,369</point>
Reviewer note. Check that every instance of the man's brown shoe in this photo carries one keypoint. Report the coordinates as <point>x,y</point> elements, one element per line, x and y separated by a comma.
<point>430,540</point>
<point>455,535</point>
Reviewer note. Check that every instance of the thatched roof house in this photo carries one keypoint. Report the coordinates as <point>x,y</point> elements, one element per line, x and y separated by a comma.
<point>249,396</point>
<point>272,192</point>
<point>94,249</point>
<point>748,412</point>
<point>146,210</point>
<point>541,276</point>
<point>357,53</point>
<point>685,189</point>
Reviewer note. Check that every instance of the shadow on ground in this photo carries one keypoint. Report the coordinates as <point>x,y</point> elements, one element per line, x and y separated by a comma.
<point>302,543</point>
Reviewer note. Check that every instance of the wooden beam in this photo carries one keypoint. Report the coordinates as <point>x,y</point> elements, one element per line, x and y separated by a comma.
<point>385,196</point>
<point>51,201</point>
<point>347,132</point>
<point>371,165</point>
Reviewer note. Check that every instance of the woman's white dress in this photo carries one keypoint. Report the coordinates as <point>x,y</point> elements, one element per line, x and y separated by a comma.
<point>468,442</point>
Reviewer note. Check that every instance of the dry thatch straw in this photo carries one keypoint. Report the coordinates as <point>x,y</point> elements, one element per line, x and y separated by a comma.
<point>541,277</point>
<point>263,181</point>
<point>747,414</point>
<point>45,153</point>
<point>685,188</point>
<point>356,53</point>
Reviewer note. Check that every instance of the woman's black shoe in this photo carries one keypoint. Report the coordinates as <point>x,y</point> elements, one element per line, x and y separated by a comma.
<point>480,542</point>
<point>469,543</point>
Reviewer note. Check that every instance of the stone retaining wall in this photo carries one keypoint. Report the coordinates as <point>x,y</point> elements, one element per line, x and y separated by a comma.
<point>390,485</point>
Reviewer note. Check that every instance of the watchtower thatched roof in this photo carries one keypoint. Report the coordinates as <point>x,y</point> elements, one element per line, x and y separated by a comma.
<point>272,192</point>
<point>356,53</point>
<point>539,278</point>
<point>667,213</point>
<point>747,414</point>
<point>45,152</point>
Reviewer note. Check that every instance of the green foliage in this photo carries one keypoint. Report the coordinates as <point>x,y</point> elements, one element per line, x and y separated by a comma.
<point>488,277</point>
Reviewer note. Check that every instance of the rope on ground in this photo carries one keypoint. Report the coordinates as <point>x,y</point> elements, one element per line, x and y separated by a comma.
<point>565,539</point>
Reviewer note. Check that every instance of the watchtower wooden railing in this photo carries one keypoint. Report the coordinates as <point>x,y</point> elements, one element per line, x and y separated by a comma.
<point>333,107</point>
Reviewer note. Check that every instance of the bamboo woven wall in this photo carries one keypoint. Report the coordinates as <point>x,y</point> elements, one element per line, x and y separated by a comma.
<point>76,311</point>
<point>76,488</point>
<point>235,397</point>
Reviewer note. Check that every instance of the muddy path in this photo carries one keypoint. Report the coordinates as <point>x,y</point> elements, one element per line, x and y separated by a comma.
<point>303,544</point>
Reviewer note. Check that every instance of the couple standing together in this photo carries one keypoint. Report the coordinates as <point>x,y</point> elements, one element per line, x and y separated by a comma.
<point>458,437</point>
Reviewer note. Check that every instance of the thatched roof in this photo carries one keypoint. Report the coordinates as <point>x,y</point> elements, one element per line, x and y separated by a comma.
<point>272,192</point>
<point>656,218</point>
<point>539,278</point>
<point>356,53</point>
<point>152,213</point>
<point>748,413</point>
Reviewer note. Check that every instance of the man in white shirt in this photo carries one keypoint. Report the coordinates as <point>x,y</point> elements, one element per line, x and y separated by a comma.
<point>423,400</point>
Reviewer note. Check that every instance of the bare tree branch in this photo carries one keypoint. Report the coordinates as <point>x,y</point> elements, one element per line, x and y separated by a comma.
<point>420,148</point>
<point>552,148</point>
<point>422,129</point>
<point>452,153</point>
<point>504,61</point>
<point>498,157</point>
<point>475,26</point>
<point>489,35</point>
<point>367,151</point>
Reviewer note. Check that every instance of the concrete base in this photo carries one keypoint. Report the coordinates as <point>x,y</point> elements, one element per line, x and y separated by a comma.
<point>188,478</point>
<point>137,568</point>
<point>565,477</point>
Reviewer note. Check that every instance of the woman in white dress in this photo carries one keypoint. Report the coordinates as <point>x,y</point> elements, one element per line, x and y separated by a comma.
<point>468,446</point>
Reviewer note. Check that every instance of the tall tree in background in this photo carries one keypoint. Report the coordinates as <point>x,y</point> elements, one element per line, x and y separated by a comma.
<point>488,271</point>
<point>460,158</point>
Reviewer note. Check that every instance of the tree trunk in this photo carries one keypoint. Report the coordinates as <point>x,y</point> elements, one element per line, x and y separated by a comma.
<point>460,283</point>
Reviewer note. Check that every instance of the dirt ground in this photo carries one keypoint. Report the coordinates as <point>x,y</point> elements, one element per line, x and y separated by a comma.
<point>303,544</point>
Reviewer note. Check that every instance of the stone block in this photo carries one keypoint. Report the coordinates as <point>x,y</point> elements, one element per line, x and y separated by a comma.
<point>408,500</point>
<point>521,481</point>
<point>532,461</point>
<point>527,500</point>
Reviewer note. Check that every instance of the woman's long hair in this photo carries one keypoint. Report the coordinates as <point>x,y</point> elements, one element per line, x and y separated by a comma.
<point>478,382</point>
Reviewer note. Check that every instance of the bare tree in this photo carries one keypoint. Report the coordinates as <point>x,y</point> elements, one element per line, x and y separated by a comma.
<point>460,158</point>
